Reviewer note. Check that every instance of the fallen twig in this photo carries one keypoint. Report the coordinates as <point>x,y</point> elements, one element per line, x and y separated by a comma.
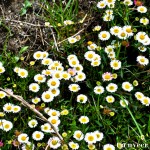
<point>26,104</point>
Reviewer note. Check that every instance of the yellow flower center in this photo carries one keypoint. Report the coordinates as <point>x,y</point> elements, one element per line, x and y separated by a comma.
<point>91,138</point>
<point>23,138</point>
<point>47,96</point>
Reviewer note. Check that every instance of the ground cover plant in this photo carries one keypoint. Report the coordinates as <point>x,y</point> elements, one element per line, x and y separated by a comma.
<point>74,74</point>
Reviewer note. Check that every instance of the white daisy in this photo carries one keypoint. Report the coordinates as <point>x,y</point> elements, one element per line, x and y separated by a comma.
<point>104,35</point>
<point>73,145</point>
<point>38,55</point>
<point>54,142</point>
<point>124,103</point>
<point>99,135</point>
<point>115,64</point>
<point>54,120</point>
<point>108,147</point>
<point>34,87</point>
<point>37,135</point>
<point>8,107</point>
<point>78,135</point>
<point>2,94</point>
<point>142,9</point>
<point>32,123</point>
<point>101,4</point>
<point>127,86</point>
<point>81,98</point>
<point>90,138</point>
<point>83,119</point>
<point>23,138</point>
<point>110,99</point>
<point>40,78</point>
<point>47,96</point>
<point>22,73</point>
<point>53,83</point>
<point>74,87</point>
<point>16,109</point>
<point>46,127</point>
<point>112,87</point>
<point>99,89</point>
<point>7,125</point>
<point>142,60</point>
<point>139,95</point>
<point>72,40</point>
<point>145,101</point>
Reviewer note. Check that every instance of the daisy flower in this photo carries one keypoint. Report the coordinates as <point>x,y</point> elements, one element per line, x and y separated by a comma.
<point>2,94</point>
<point>95,63</point>
<point>28,145</point>
<point>144,21</point>
<point>80,76</point>
<point>142,48</point>
<point>68,22</point>
<point>90,138</point>
<point>81,98</point>
<point>110,99</point>
<point>108,147</point>
<point>36,100</point>
<point>54,91</point>
<point>108,49</point>
<point>97,28</point>
<point>127,86</point>
<point>16,109</point>
<point>7,125</point>
<point>104,35</point>
<point>92,46</point>
<point>66,75</point>
<point>74,87</point>
<point>123,35</point>
<point>108,2</point>
<point>38,55</point>
<point>46,61</point>
<point>141,37</point>
<point>99,89</point>
<point>108,17</point>
<point>47,72</point>
<point>91,146</point>
<point>128,30</point>
<point>72,40</point>
<point>74,62</point>
<point>112,87</point>
<point>101,4</point>
<point>16,69</point>
<point>46,127</point>
<point>89,55</point>
<point>45,54</point>
<point>37,135</point>
<point>99,135</point>
<point>47,96</point>
<point>145,101</point>
<point>115,64</point>
<point>2,69</point>
<point>53,83</point>
<point>54,142</point>
<point>124,103</point>
<point>53,112</point>
<point>32,123</point>
<point>79,68</point>
<point>8,107</point>
<point>73,145</point>
<point>142,9</point>
<point>23,138</point>
<point>57,75</point>
<point>34,87</point>
<point>128,2</point>
<point>83,119</point>
<point>142,60</point>
<point>22,73</point>
<point>115,30</point>
<point>107,76</point>
<point>54,120</point>
<point>78,135</point>
<point>139,95</point>
<point>112,55</point>
<point>40,78</point>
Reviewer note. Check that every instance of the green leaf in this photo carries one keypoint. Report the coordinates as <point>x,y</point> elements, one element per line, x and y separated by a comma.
<point>149,125</point>
<point>23,11</point>
<point>23,49</point>
<point>27,4</point>
<point>16,59</point>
